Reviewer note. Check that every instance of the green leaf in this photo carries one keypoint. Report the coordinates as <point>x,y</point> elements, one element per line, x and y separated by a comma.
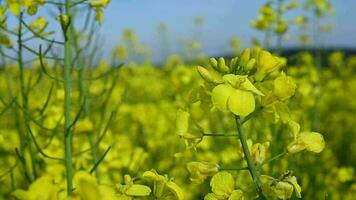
<point>241,103</point>
<point>222,183</point>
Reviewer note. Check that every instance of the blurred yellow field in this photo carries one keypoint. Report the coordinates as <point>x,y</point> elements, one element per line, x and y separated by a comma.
<point>260,123</point>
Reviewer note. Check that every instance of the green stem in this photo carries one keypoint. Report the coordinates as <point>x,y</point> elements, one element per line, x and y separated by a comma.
<point>84,93</point>
<point>24,97</point>
<point>218,135</point>
<point>251,165</point>
<point>68,135</point>
<point>275,158</point>
<point>233,168</point>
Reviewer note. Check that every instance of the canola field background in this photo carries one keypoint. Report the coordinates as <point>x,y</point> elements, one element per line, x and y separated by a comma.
<point>257,124</point>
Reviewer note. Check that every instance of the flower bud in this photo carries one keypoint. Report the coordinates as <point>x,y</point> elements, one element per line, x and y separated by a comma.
<point>99,3</point>
<point>205,74</point>
<point>250,65</point>
<point>245,57</point>
<point>99,16</point>
<point>222,65</point>
<point>32,9</point>
<point>214,63</point>
<point>65,21</point>
<point>5,40</point>
<point>267,63</point>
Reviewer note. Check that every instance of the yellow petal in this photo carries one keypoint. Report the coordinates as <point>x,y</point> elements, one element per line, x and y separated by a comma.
<point>241,102</point>
<point>212,196</point>
<point>283,190</point>
<point>87,186</point>
<point>310,141</point>
<point>220,96</point>
<point>241,82</point>
<point>182,122</point>
<point>284,87</point>
<point>176,190</point>
<point>236,195</point>
<point>222,183</point>
<point>20,195</point>
<point>293,180</point>
<point>138,190</point>
<point>15,8</point>
<point>99,15</point>
<point>313,141</point>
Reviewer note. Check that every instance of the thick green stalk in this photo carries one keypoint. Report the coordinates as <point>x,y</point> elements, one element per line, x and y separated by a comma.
<point>251,165</point>
<point>68,135</point>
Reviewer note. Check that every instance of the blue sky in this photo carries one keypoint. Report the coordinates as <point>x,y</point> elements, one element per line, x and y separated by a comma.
<point>223,19</point>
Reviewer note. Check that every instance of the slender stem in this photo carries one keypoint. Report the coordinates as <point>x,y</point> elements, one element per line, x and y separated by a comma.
<point>24,97</point>
<point>68,135</point>
<point>233,168</point>
<point>84,94</point>
<point>248,117</point>
<point>251,166</point>
<point>275,158</point>
<point>218,135</point>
